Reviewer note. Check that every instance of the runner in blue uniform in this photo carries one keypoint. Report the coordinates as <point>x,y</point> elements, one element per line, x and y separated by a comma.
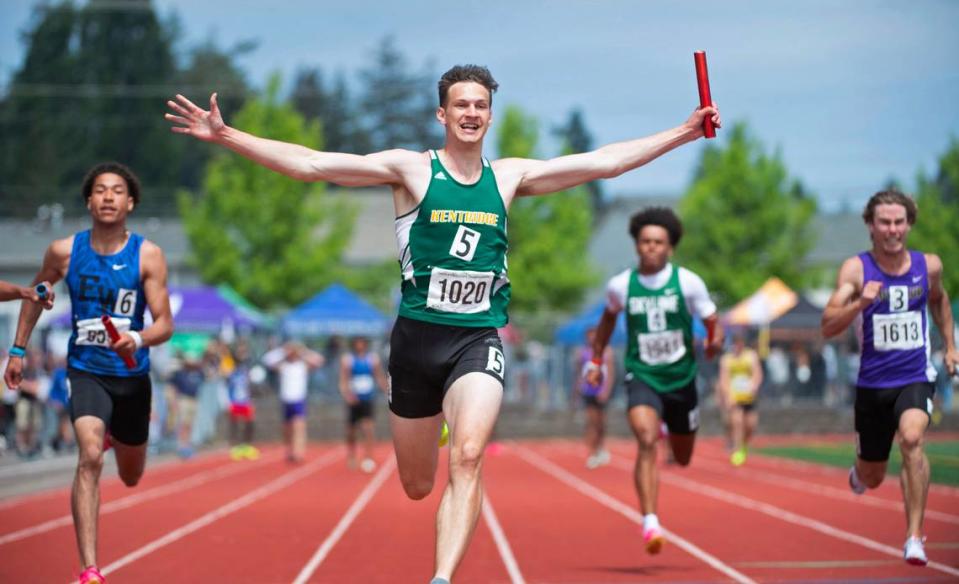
<point>109,272</point>
<point>889,292</point>
<point>361,374</point>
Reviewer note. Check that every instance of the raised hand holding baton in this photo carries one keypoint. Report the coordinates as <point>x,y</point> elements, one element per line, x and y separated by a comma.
<point>114,334</point>
<point>705,99</point>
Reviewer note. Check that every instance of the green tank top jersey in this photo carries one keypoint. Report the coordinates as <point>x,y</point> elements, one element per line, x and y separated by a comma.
<point>659,329</point>
<point>453,252</point>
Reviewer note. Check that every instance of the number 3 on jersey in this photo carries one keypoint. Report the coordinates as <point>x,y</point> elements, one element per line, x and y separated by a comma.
<point>464,244</point>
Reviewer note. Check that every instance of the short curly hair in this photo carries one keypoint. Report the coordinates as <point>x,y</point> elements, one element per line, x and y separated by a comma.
<point>890,197</point>
<point>663,217</point>
<point>133,183</point>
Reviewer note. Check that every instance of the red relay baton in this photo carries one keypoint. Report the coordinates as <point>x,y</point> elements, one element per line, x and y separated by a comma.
<point>705,100</point>
<point>130,362</point>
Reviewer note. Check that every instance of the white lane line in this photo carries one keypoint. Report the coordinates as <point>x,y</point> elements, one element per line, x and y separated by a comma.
<point>134,499</point>
<point>54,486</point>
<point>745,502</point>
<point>351,514</point>
<point>633,515</point>
<point>502,544</point>
<point>253,496</point>
<point>777,462</point>
<point>815,488</point>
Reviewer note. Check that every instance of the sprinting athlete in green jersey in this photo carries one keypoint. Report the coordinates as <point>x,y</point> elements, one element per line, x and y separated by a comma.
<point>451,207</point>
<point>659,300</point>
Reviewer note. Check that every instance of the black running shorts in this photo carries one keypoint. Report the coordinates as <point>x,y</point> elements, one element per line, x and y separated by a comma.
<point>359,411</point>
<point>878,412</point>
<point>678,408</point>
<point>123,403</point>
<point>426,358</point>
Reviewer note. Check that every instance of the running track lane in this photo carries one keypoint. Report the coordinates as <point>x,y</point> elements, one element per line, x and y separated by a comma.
<point>267,541</point>
<point>840,540</point>
<point>51,557</point>
<point>393,540</point>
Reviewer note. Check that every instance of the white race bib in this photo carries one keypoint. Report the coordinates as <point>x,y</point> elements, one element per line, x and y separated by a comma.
<point>361,384</point>
<point>459,291</point>
<point>92,332</point>
<point>661,348</point>
<point>897,332</point>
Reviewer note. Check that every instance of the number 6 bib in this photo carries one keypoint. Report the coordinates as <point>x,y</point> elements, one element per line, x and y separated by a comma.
<point>459,291</point>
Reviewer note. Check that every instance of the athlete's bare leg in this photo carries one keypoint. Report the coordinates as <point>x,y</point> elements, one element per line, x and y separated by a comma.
<point>85,497</point>
<point>471,407</point>
<point>369,436</point>
<point>595,429</point>
<point>131,461</point>
<point>644,422</point>
<point>914,477</point>
<point>298,444</point>
<point>416,444</point>
<point>737,423</point>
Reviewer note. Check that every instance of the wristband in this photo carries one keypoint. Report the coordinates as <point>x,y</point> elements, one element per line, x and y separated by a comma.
<point>17,351</point>
<point>596,361</point>
<point>137,339</point>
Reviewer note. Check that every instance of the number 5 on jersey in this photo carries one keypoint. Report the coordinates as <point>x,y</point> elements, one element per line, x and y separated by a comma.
<point>464,244</point>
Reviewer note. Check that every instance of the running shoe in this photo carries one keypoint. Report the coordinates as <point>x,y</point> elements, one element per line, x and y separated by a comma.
<point>913,552</point>
<point>855,485</point>
<point>251,452</point>
<point>654,540</point>
<point>444,435</point>
<point>598,459</point>
<point>368,465</point>
<point>738,457</point>
<point>92,576</point>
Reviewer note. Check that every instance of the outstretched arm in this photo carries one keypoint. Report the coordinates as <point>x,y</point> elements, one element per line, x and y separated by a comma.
<point>9,291</point>
<point>536,177</point>
<point>55,263</point>
<point>941,312</point>
<point>292,160</point>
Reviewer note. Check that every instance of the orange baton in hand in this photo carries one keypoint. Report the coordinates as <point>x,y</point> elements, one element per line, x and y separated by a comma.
<point>130,362</point>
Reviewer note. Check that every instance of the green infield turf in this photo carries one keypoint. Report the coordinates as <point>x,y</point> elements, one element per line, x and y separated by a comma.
<point>943,457</point>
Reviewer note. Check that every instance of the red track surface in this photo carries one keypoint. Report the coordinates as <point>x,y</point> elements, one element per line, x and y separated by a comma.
<point>212,520</point>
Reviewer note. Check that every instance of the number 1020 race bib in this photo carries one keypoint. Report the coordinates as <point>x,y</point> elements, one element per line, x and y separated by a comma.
<point>459,291</point>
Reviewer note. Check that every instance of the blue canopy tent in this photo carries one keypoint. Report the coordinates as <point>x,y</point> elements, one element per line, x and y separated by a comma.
<point>334,311</point>
<point>574,331</point>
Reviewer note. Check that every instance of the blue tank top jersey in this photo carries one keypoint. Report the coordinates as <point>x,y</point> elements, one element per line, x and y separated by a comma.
<point>894,330</point>
<point>105,284</point>
<point>362,381</point>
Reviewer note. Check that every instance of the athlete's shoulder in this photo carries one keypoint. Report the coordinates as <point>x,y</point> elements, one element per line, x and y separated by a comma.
<point>933,264</point>
<point>61,247</point>
<point>620,280</point>
<point>688,277</point>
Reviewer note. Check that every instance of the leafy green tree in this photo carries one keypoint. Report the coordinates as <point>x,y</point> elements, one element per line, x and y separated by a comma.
<point>275,240</point>
<point>398,107</point>
<point>548,267</point>
<point>937,228</point>
<point>745,219</point>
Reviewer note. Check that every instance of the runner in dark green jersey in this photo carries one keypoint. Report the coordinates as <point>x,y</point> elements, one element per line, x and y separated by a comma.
<point>659,300</point>
<point>446,358</point>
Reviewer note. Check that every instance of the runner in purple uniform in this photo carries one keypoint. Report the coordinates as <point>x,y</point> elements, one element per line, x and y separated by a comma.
<point>890,292</point>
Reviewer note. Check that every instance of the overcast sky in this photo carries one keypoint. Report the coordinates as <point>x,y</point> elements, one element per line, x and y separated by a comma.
<point>850,92</point>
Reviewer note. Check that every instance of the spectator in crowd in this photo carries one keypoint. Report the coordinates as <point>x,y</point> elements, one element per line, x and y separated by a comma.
<point>293,362</point>
<point>187,381</point>
<point>58,405</point>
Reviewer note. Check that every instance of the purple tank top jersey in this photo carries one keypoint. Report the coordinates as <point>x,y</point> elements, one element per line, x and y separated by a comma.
<point>894,330</point>
<point>585,355</point>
